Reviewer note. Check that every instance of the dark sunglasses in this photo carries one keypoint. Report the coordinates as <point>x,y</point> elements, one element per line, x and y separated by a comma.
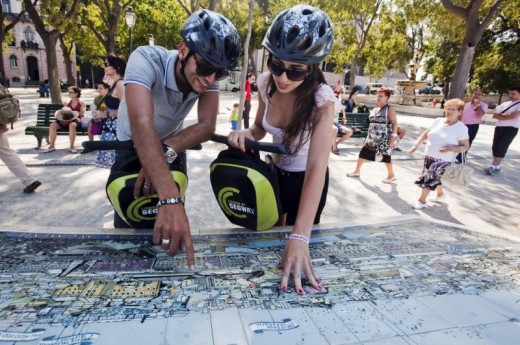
<point>293,74</point>
<point>204,69</point>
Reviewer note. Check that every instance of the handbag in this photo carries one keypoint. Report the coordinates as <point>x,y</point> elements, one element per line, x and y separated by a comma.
<point>458,174</point>
<point>97,127</point>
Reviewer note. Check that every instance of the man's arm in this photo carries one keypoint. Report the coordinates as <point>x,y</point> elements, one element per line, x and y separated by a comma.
<point>204,128</point>
<point>509,116</point>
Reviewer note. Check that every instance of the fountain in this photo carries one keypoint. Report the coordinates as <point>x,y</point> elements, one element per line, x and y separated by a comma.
<point>408,96</point>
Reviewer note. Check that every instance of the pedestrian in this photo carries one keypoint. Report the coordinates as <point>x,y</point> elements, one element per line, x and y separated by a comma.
<point>382,136</point>
<point>338,89</point>
<point>161,87</point>
<point>472,116</point>
<point>297,107</point>
<point>13,162</point>
<point>508,116</point>
<point>247,103</point>
<point>444,139</point>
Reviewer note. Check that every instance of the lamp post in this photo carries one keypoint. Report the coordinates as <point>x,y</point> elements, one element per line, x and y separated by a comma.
<point>151,40</point>
<point>130,22</point>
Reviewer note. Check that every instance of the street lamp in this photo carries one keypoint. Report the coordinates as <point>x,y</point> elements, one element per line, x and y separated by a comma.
<point>130,22</point>
<point>151,40</point>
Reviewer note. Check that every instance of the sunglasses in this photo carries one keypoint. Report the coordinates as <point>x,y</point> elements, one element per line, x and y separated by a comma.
<point>204,69</point>
<point>293,74</point>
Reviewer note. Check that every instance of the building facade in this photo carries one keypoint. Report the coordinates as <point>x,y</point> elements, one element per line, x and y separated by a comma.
<point>25,58</point>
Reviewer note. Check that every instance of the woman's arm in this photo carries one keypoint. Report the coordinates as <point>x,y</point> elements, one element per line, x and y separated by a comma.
<point>420,140</point>
<point>392,116</point>
<point>296,258</point>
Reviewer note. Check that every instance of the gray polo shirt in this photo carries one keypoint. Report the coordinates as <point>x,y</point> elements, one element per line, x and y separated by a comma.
<point>154,68</point>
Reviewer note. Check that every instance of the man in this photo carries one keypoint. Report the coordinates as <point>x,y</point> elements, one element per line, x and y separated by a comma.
<point>508,116</point>
<point>161,88</point>
<point>250,79</point>
<point>15,164</point>
<point>472,116</point>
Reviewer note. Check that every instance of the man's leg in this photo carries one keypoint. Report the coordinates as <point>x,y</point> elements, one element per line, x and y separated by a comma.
<point>14,163</point>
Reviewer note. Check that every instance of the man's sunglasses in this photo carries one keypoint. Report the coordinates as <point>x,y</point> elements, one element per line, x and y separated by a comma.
<point>204,69</point>
<point>293,74</point>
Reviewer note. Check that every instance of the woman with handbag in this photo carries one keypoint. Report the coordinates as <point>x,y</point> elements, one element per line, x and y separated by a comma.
<point>382,136</point>
<point>445,138</point>
<point>297,107</point>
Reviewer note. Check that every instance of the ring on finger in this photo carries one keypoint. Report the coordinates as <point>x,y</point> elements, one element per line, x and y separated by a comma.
<point>147,185</point>
<point>165,241</point>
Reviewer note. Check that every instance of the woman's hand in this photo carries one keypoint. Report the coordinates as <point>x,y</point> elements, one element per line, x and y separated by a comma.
<point>297,260</point>
<point>412,149</point>
<point>393,141</point>
<point>237,139</point>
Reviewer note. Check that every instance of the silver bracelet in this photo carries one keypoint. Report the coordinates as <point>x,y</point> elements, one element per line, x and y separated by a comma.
<point>299,237</point>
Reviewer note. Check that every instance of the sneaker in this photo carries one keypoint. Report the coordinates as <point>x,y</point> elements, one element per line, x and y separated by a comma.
<point>419,205</point>
<point>437,198</point>
<point>492,170</point>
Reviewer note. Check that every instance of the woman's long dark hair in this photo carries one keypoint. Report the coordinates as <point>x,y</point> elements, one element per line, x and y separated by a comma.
<point>302,120</point>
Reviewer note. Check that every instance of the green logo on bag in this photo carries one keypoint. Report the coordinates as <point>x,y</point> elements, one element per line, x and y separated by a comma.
<point>230,206</point>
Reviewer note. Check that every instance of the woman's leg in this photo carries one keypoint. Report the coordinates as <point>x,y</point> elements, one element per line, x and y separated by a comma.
<point>72,134</point>
<point>424,195</point>
<point>89,131</point>
<point>390,169</point>
<point>53,133</point>
<point>439,191</point>
<point>357,171</point>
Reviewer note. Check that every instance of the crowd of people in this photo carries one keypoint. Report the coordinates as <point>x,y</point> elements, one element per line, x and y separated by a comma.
<point>145,101</point>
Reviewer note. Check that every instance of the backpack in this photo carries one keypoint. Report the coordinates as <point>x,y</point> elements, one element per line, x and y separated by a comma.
<point>246,189</point>
<point>9,107</point>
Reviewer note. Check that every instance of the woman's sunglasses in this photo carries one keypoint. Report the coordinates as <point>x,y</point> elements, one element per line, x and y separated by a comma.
<point>204,69</point>
<point>293,74</point>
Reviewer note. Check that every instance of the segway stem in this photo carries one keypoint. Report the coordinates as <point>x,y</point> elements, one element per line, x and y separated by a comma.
<point>256,145</point>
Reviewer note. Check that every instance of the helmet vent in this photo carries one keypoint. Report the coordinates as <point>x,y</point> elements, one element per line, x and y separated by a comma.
<point>293,34</point>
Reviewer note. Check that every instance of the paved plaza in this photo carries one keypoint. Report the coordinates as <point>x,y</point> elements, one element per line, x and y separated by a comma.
<point>471,240</point>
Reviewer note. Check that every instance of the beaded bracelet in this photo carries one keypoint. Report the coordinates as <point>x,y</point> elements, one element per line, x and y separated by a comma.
<point>170,201</point>
<point>299,237</point>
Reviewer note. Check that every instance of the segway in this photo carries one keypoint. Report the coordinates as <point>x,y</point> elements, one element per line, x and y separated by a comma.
<point>246,187</point>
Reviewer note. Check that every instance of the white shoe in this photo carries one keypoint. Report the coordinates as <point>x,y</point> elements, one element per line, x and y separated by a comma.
<point>437,198</point>
<point>419,205</point>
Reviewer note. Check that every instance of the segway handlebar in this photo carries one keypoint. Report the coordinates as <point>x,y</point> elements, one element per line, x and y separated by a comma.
<point>117,145</point>
<point>256,145</point>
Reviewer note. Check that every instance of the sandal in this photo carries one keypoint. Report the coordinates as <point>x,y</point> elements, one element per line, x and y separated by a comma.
<point>50,149</point>
<point>352,174</point>
<point>389,180</point>
<point>73,151</point>
<point>32,187</point>
<point>336,152</point>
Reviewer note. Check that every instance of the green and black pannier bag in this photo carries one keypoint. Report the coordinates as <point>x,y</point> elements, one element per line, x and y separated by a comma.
<point>138,213</point>
<point>246,189</point>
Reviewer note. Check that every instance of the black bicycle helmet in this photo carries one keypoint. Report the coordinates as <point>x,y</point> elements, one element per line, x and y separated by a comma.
<point>301,34</point>
<point>213,37</point>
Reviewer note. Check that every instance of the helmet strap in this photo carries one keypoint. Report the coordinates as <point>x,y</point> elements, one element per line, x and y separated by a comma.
<point>183,72</point>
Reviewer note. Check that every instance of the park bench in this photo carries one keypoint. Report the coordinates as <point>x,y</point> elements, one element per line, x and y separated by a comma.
<point>358,122</point>
<point>44,117</point>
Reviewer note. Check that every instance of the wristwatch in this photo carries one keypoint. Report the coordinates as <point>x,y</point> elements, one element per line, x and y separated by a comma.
<point>170,154</point>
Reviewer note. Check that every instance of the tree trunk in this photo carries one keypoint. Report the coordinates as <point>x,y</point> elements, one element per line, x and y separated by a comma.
<point>463,67</point>
<point>67,60</point>
<point>2,67</point>
<point>246,63</point>
<point>50,42</point>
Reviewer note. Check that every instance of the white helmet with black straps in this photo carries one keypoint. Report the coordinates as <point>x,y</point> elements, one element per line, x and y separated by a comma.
<point>301,34</point>
<point>213,37</point>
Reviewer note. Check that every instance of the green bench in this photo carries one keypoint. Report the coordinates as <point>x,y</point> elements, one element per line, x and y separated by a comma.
<point>44,117</point>
<point>358,122</point>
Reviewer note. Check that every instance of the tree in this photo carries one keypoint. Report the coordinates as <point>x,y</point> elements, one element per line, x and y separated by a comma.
<point>4,33</point>
<point>48,19</point>
<point>103,18</point>
<point>474,29</point>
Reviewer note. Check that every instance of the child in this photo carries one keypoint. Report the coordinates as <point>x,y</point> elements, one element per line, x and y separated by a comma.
<point>234,117</point>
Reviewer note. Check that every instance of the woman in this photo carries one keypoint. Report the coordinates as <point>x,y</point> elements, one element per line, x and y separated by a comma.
<point>296,106</point>
<point>350,105</point>
<point>114,71</point>
<point>445,138</point>
<point>75,104</point>
<point>382,136</point>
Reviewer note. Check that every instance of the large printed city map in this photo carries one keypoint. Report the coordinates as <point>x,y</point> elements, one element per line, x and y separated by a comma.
<point>117,289</point>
